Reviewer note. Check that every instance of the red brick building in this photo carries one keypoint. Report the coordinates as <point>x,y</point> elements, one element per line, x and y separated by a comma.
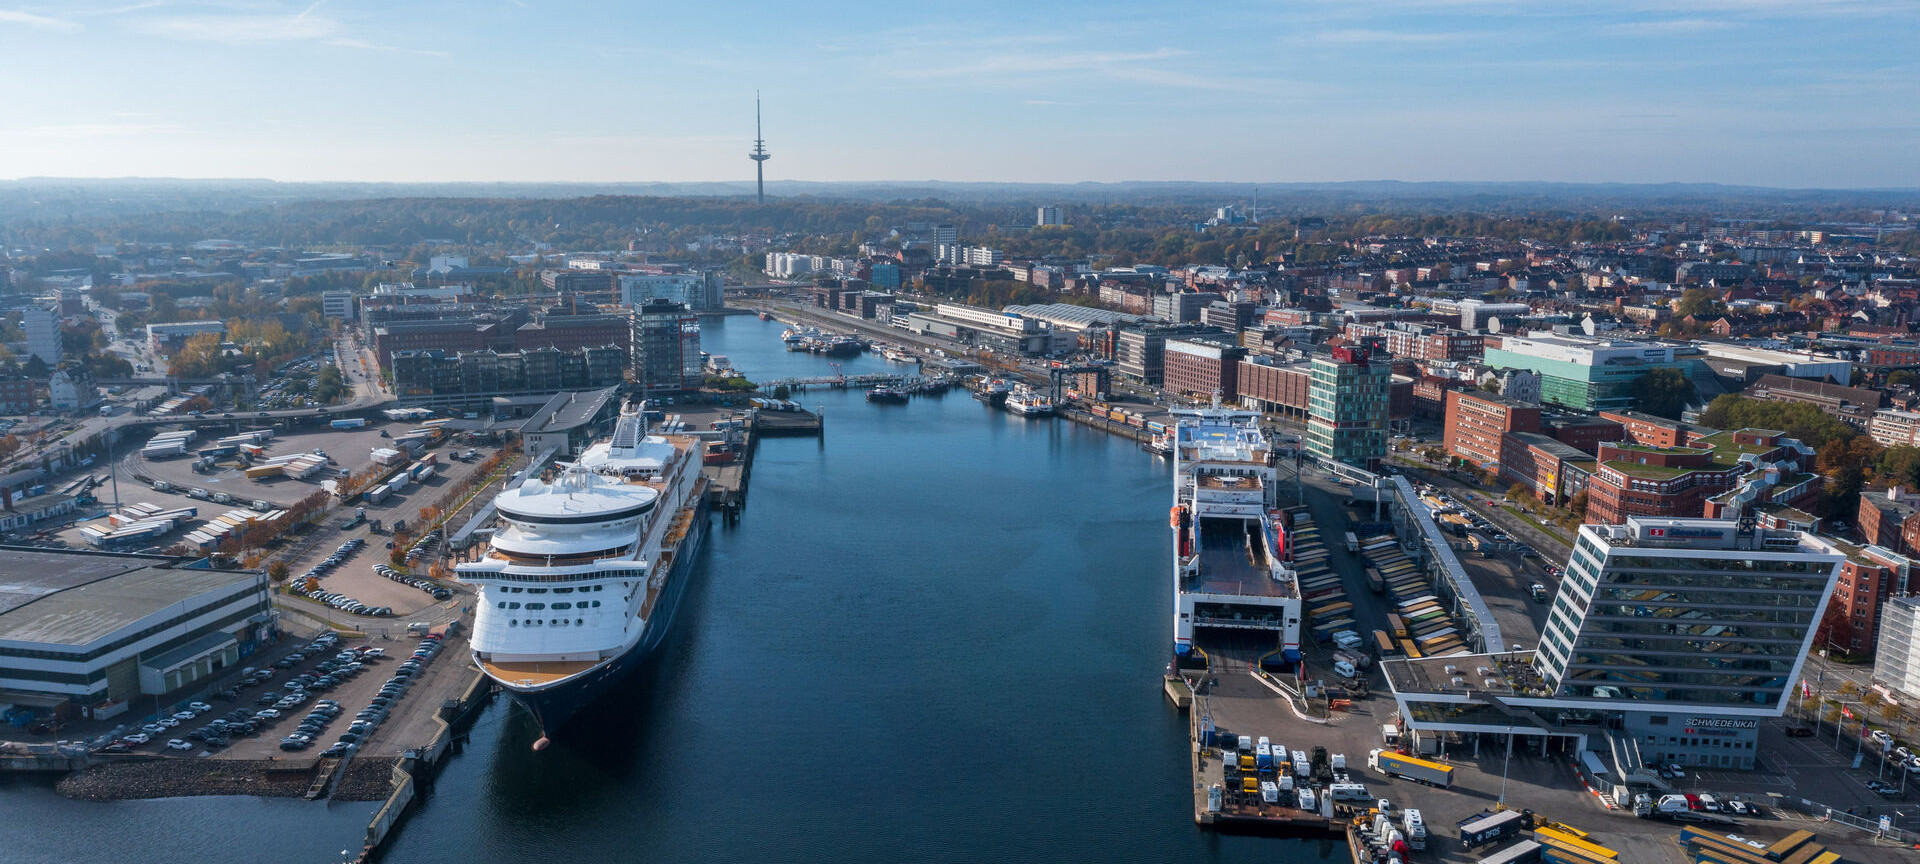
<point>1274,389</point>
<point>1868,579</point>
<point>1552,471</point>
<point>1637,480</point>
<point>570,332</point>
<point>1655,431</point>
<point>1430,396</point>
<point>1201,369</point>
<point>1883,518</point>
<point>1585,434</point>
<point>17,395</point>
<point>1477,423</point>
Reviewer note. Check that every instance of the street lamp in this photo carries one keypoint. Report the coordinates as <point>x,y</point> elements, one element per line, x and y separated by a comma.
<point>1504,763</point>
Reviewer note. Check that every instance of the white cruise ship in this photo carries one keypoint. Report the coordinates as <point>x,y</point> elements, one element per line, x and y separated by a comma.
<point>584,571</point>
<point>1228,572</point>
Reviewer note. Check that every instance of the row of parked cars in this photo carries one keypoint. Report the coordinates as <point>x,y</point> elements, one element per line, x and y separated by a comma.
<point>219,731</point>
<point>424,546</point>
<point>338,557</point>
<point>342,602</point>
<point>369,718</point>
<point>405,578</point>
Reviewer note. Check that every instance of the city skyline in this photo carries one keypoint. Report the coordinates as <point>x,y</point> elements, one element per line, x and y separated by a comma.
<point>1749,92</point>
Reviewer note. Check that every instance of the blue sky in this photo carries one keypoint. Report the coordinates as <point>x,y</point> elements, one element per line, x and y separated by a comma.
<point>1765,92</point>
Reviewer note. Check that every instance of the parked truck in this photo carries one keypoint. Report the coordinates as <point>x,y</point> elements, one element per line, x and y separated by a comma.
<point>1353,542</point>
<point>1411,768</point>
<point>349,423</point>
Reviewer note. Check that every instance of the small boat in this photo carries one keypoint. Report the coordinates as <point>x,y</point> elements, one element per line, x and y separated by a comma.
<point>992,391</point>
<point>887,394</point>
<point>895,355</point>
<point>1028,402</point>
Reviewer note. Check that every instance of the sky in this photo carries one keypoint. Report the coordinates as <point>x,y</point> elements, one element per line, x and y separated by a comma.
<point>1785,93</point>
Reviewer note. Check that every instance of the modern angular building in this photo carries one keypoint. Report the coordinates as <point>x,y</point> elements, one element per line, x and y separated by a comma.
<point>666,348</point>
<point>1668,642</point>
<point>1347,407</point>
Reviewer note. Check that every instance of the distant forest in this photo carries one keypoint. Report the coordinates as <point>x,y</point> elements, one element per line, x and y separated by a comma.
<point>1156,223</point>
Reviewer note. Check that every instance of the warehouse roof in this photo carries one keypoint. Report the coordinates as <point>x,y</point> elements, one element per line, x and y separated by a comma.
<point>76,598</point>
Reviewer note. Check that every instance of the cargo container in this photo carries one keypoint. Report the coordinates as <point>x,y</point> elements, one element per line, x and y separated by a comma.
<point>1353,542</point>
<point>1410,767</point>
<point>349,423</point>
<point>387,456</point>
<point>1481,829</point>
<point>378,493</point>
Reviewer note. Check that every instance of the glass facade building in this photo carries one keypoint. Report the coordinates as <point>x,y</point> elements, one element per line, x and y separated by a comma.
<point>1347,407</point>
<point>1686,612</point>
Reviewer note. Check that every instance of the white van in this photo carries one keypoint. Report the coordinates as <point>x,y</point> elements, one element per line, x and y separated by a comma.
<point>1348,792</point>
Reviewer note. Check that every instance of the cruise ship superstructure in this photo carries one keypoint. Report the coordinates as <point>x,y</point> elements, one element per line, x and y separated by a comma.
<point>584,571</point>
<point>1228,568</point>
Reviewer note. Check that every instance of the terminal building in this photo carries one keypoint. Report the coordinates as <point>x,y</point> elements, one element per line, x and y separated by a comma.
<point>1669,641</point>
<point>88,633</point>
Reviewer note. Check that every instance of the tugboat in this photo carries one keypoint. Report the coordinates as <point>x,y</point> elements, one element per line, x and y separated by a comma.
<point>887,394</point>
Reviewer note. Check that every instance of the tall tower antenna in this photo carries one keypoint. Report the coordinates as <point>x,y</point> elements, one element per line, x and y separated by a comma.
<point>759,154</point>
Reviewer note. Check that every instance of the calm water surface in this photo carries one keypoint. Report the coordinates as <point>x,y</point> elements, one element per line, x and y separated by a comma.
<point>935,636</point>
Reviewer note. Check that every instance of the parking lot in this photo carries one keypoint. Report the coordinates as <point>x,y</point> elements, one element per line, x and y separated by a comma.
<point>308,696</point>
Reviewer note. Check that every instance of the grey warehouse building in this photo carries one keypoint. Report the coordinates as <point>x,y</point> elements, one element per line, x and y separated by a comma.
<point>96,630</point>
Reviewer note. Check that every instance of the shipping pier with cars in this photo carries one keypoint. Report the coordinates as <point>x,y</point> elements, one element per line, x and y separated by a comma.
<point>1400,591</point>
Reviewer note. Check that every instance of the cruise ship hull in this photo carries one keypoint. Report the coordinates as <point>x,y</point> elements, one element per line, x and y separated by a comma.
<point>552,707</point>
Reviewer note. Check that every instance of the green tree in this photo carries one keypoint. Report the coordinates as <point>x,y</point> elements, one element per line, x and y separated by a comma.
<point>1903,378</point>
<point>1799,420</point>
<point>329,386</point>
<point>1696,301</point>
<point>1899,465</point>
<point>1663,392</point>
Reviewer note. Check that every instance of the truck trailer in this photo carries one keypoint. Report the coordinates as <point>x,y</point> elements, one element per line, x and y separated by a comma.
<point>1411,768</point>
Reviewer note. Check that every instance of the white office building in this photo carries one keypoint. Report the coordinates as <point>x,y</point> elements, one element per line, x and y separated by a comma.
<point>1669,641</point>
<point>1896,661</point>
<point>43,334</point>
<point>336,304</point>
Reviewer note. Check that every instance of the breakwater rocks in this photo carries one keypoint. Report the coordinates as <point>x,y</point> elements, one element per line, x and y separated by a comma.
<point>367,779</point>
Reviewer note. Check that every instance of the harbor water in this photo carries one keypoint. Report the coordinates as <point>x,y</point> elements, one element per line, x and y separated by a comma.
<point>935,635</point>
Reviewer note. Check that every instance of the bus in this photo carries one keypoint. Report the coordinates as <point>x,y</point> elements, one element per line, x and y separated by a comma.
<point>1384,644</point>
<point>1396,626</point>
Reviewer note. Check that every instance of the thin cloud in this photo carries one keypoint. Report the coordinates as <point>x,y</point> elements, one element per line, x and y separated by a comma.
<point>252,28</point>
<point>1036,62</point>
<point>1667,27</point>
<point>99,130</point>
<point>37,22</point>
<point>242,29</point>
<point>1394,37</point>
